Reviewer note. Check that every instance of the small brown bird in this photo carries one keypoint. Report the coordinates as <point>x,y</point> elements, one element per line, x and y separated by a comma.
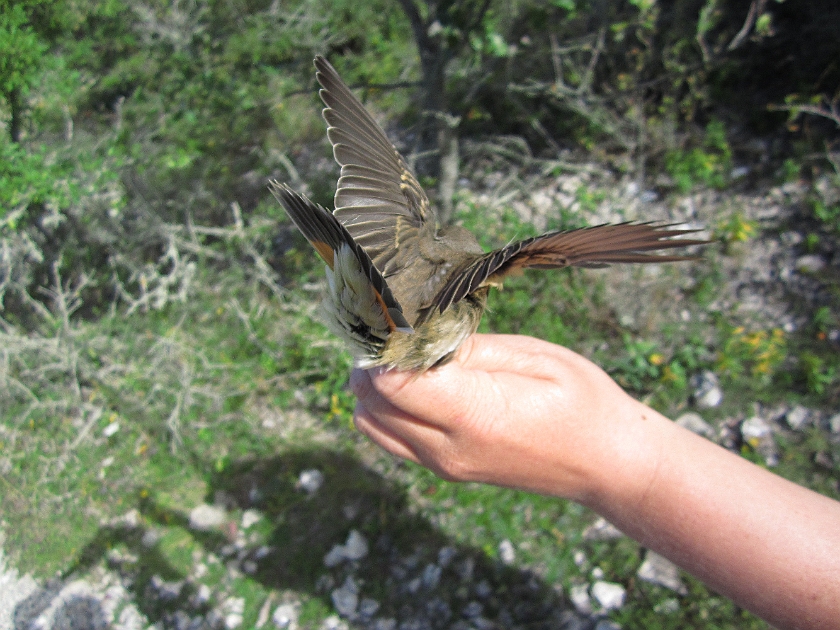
<point>402,291</point>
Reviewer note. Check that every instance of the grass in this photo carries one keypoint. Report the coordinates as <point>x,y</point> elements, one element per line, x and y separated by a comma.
<point>228,396</point>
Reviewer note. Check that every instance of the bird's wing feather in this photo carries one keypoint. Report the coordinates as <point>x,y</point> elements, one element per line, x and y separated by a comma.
<point>328,236</point>
<point>587,247</point>
<point>378,198</point>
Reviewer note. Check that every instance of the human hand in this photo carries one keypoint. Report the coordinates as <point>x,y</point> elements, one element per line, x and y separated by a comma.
<point>512,411</point>
<point>520,412</point>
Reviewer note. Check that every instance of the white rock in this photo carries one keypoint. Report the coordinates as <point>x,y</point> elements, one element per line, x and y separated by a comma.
<point>233,609</point>
<point>334,556</point>
<point>609,595</point>
<point>754,430</point>
<point>207,517</point>
<point>707,391</point>
<point>310,481</point>
<point>791,239</point>
<point>601,530</point>
<point>14,588</point>
<point>346,598</point>
<point>167,590</point>
<point>434,28</point>
<point>333,622</point>
<point>570,183</point>
<point>758,433</point>
<point>57,611</point>
<point>130,619</point>
<point>543,202</point>
<point>472,610</point>
<point>483,590</point>
<point>250,518</point>
<point>694,422</point>
<point>351,510</point>
<point>658,570</point>
<point>447,554</point>
<point>235,605</point>
<point>431,576</point>
<point>150,538</point>
<point>285,616</point>
<point>834,423</point>
<point>356,546</point>
<point>797,417</point>
<point>810,263</point>
<point>507,554</point>
<point>739,171</point>
<point>203,594</point>
<point>131,518</point>
<point>579,596</point>
<point>667,606</point>
<point>368,607</point>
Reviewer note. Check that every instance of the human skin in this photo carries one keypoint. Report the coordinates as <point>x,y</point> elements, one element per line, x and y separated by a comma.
<point>523,413</point>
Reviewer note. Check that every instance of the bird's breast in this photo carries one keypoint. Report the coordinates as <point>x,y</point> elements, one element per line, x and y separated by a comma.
<point>435,341</point>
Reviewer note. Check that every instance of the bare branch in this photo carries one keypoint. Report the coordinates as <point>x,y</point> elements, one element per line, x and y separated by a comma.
<point>756,8</point>
<point>829,110</point>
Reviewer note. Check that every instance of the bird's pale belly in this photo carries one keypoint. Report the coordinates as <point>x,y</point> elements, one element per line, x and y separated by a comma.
<point>435,341</point>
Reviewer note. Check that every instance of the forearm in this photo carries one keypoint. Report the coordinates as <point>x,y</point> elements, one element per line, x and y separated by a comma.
<point>766,543</point>
<point>519,412</point>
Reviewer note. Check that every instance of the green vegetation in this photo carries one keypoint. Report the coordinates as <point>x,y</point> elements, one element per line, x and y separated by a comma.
<point>159,338</point>
<point>708,165</point>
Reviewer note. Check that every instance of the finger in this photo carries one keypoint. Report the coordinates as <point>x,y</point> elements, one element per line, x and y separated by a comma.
<point>368,425</point>
<point>435,399</point>
<point>390,422</point>
<point>369,396</point>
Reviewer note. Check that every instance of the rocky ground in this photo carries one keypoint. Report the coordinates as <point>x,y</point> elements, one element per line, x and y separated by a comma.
<point>767,279</point>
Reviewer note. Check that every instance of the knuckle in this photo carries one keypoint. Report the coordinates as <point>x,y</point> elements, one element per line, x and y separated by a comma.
<point>453,469</point>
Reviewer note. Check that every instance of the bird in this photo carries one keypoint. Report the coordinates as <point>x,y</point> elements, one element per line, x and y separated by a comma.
<point>402,291</point>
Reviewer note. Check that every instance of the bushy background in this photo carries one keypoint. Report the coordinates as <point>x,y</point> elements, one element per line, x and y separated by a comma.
<point>158,336</point>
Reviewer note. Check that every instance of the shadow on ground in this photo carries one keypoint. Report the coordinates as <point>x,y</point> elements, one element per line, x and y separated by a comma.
<point>417,577</point>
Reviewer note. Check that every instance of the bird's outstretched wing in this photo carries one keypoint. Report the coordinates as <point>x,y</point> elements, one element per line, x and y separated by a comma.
<point>596,246</point>
<point>378,198</point>
<point>360,306</point>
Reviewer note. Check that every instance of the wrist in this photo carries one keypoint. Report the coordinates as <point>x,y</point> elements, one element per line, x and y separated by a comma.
<point>629,460</point>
